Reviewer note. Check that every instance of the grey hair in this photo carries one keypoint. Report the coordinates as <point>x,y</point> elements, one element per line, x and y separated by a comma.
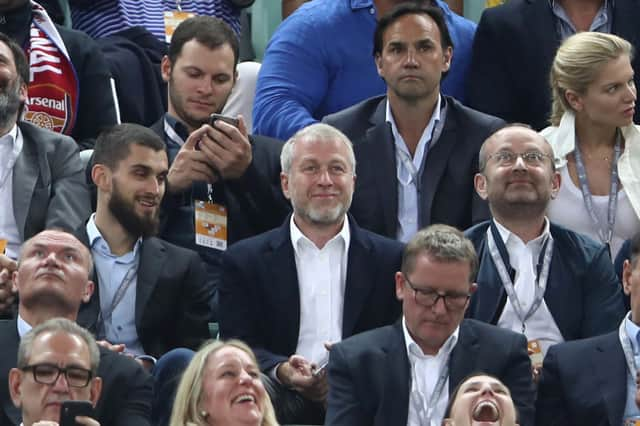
<point>443,243</point>
<point>58,325</point>
<point>317,131</point>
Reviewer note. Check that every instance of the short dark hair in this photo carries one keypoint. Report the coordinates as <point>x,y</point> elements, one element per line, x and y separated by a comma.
<point>411,8</point>
<point>19,57</point>
<point>210,31</point>
<point>634,249</point>
<point>112,145</point>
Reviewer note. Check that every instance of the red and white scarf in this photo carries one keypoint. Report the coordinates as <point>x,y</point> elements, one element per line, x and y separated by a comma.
<point>53,82</point>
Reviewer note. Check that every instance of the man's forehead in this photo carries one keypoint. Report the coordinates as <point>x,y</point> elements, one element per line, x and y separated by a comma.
<point>6,52</point>
<point>145,156</point>
<point>60,347</point>
<point>55,240</point>
<point>517,136</point>
<point>399,30</point>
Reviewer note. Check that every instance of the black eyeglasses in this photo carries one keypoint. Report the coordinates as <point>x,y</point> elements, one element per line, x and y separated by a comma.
<point>428,297</point>
<point>47,374</point>
<point>508,158</point>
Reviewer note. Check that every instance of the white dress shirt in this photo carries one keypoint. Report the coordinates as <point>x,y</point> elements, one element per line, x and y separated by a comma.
<point>425,372</point>
<point>408,171</point>
<point>10,149</point>
<point>524,259</point>
<point>321,281</point>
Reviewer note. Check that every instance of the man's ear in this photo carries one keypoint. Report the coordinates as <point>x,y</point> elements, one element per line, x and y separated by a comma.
<point>15,380</point>
<point>284,182</point>
<point>165,68</point>
<point>96,390</point>
<point>101,176</point>
<point>399,286</point>
<point>627,270</point>
<point>88,291</point>
<point>480,183</point>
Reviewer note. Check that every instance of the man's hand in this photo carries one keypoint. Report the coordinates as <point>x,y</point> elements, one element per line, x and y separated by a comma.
<point>227,148</point>
<point>7,290</point>
<point>119,347</point>
<point>297,373</point>
<point>191,165</point>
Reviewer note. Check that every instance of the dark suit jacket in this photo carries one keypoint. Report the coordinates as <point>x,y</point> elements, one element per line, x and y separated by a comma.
<point>49,189</point>
<point>512,53</point>
<point>260,298</point>
<point>127,389</point>
<point>447,194</point>
<point>583,293</point>
<point>370,374</point>
<point>583,383</point>
<point>254,201</point>
<point>172,298</point>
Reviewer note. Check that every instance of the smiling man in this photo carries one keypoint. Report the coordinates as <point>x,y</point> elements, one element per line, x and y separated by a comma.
<point>152,296</point>
<point>417,150</point>
<point>403,374</point>
<point>536,278</point>
<point>57,361</point>
<point>316,279</point>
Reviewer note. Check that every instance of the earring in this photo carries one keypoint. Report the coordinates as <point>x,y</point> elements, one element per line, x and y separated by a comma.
<point>204,414</point>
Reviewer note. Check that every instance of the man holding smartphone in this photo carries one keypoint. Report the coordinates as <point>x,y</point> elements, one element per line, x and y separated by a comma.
<point>56,375</point>
<point>223,185</point>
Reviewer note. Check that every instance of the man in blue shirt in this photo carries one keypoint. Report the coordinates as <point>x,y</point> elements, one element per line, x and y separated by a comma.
<point>319,61</point>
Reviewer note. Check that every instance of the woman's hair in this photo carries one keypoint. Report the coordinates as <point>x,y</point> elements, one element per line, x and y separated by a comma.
<point>186,405</point>
<point>454,394</point>
<point>578,62</point>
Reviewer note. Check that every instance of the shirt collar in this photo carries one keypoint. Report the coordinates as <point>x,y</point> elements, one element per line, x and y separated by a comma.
<point>97,242</point>
<point>605,5</point>
<point>507,235</point>
<point>177,125</point>
<point>297,236</point>
<point>633,331</point>
<point>435,117</point>
<point>413,348</point>
<point>23,326</point>
<point>12,138</point>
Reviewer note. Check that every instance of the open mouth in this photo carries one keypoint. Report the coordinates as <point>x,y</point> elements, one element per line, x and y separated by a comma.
<point>245,398</point>
<point>486,411</point>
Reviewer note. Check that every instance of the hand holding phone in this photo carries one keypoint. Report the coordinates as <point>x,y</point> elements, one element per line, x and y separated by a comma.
<point>230,120</point>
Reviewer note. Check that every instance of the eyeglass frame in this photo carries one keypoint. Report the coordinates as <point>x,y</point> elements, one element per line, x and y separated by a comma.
<point>439,295</point>
<point>514,157</point>
<point>33,367</point>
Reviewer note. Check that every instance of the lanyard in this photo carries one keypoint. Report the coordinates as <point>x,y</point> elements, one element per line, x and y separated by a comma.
<point>628,350</point>
<point>605,234</point>
<point>179,5</point>
<point>426,414</point>
<point>542,274</point>
<point>120,292</point>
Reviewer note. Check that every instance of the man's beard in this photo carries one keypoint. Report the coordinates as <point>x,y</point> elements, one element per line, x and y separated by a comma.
<point>9,102</point>
<point>124,212</point>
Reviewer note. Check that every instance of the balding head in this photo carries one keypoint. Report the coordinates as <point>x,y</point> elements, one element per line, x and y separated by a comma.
<point>510,133</point>
<point>53,275</point>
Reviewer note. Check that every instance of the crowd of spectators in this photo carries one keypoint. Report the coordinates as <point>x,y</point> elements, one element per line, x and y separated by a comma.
<point>399,217</point>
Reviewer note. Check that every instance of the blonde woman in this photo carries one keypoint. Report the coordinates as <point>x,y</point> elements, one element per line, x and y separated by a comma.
<point>222,386</point>
<point>595,143</point>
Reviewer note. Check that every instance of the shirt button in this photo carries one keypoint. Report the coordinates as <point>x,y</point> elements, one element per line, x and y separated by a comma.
<point>372,11</point>
<point>119,328</point>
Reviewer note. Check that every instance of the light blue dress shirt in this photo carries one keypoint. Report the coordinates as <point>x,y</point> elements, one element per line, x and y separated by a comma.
<point>111,270</point>
<point>601,23</point>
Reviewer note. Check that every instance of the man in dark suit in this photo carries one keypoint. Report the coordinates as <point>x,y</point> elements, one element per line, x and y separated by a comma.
<point>417,150</point>
<point>403,374</point>
<point>536,278</point>
<point>516,42</point>
<point>216,169</point>
<point>315,280</point>
<point>151,296</point>
<point>41,176</point>
<point>52,280</point>
<point>594,381</point>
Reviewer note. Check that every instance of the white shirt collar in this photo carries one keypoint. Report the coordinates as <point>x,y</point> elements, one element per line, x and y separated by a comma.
<point>507,235</point>
<point>23,326</point>
<point>414,349</point>
<point>298,237</point>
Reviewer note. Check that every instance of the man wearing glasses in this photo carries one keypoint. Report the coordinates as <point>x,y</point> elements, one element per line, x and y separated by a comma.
<point>536,278</point>
<point>403,374</point>
<point>57,361</point>
<point>52,281</point>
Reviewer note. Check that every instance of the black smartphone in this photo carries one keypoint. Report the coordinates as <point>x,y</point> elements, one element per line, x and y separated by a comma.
<point>70,409</point>
<point>214,117</point>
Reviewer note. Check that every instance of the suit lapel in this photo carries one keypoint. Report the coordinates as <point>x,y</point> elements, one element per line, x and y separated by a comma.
<point>397,386</point>
<point>544,32</point>
<point>9,340</point>
<point>285,314</point>
<point>625,20</point>
<point>88,313</point>
<point>486,302</point>
<point>357,286</point>
<point>152,256</point>
<point>435,165</point>
<point>25,174</point>
<point>463,357</point>
<point>609,366</point>
<point>380,152</point>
